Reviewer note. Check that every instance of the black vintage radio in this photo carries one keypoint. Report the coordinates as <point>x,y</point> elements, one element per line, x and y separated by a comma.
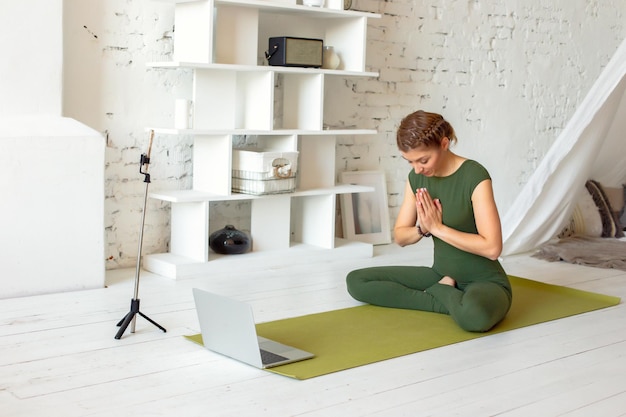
<point>295,52</point>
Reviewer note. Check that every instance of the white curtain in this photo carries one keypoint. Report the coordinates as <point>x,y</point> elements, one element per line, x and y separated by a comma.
<point>592,146</point>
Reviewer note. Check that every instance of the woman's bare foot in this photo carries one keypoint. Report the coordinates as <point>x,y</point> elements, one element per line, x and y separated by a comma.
<point>448,281</point>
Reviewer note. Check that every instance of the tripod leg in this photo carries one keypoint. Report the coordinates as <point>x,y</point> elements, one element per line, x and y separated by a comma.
<point>152,321</point>
<point>124,324</point>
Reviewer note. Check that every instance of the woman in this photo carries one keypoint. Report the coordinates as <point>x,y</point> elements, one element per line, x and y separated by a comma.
<point>451,199</point>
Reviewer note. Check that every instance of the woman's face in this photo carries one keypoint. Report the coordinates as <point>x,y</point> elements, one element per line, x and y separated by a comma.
<point>426,160</point>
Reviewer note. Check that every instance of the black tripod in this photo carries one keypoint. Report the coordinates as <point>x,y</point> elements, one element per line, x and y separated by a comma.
<point>134,303</point>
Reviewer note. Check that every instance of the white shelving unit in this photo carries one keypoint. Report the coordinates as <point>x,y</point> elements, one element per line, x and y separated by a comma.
<point>233,94</point>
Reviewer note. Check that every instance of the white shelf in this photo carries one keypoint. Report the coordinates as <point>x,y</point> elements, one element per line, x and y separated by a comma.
<point>194,196</point>
<point>280,7</point>
<point>257,68</point>
<point>236,132</point>
<point>298,9</point>
<point>180,267</point>
<point>223,42</point>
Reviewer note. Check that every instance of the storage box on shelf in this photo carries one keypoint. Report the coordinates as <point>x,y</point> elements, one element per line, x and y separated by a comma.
<point>233,94</point>
<point>259,173</point>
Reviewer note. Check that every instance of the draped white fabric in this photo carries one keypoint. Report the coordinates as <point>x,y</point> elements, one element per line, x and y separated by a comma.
<point>592,146</point>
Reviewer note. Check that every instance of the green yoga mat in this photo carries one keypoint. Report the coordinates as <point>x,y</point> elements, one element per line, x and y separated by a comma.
<point>351,337</point>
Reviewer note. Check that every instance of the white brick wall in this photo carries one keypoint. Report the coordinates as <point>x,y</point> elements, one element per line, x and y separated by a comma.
<point>507,74</point>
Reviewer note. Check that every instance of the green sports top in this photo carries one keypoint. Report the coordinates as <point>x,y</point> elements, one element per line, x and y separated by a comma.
<point>455,194</point>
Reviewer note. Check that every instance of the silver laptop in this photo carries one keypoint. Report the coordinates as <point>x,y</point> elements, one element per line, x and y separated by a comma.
<point>228,328</point>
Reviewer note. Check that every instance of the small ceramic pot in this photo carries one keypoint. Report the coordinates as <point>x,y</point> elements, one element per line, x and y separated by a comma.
<point>230,241</point>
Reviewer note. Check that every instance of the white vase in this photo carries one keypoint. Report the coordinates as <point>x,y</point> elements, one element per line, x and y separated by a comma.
<point>335,4</point>
<point>330,59</point>
<point>314,3</point>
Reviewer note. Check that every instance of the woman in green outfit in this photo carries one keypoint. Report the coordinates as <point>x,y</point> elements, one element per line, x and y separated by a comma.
<point>451,199</point>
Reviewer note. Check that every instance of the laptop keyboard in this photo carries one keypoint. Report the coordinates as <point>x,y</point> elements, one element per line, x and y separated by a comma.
<point>269,357</point>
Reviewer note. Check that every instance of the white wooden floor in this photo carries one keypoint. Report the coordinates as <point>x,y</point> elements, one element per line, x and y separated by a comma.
<point>58,355</point>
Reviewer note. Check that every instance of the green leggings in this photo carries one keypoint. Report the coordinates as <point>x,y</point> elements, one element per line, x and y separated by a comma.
<point>476,307</point>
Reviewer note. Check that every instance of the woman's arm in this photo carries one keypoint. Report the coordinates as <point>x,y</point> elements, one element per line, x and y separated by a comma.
<point>488,241</point>
<point>404,231</point>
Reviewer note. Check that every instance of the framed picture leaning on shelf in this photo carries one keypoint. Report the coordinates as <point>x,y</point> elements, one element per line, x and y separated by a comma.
<point>365,216</point>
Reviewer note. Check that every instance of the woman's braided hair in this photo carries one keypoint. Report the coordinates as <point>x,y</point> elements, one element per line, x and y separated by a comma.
<point>423,129</point>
